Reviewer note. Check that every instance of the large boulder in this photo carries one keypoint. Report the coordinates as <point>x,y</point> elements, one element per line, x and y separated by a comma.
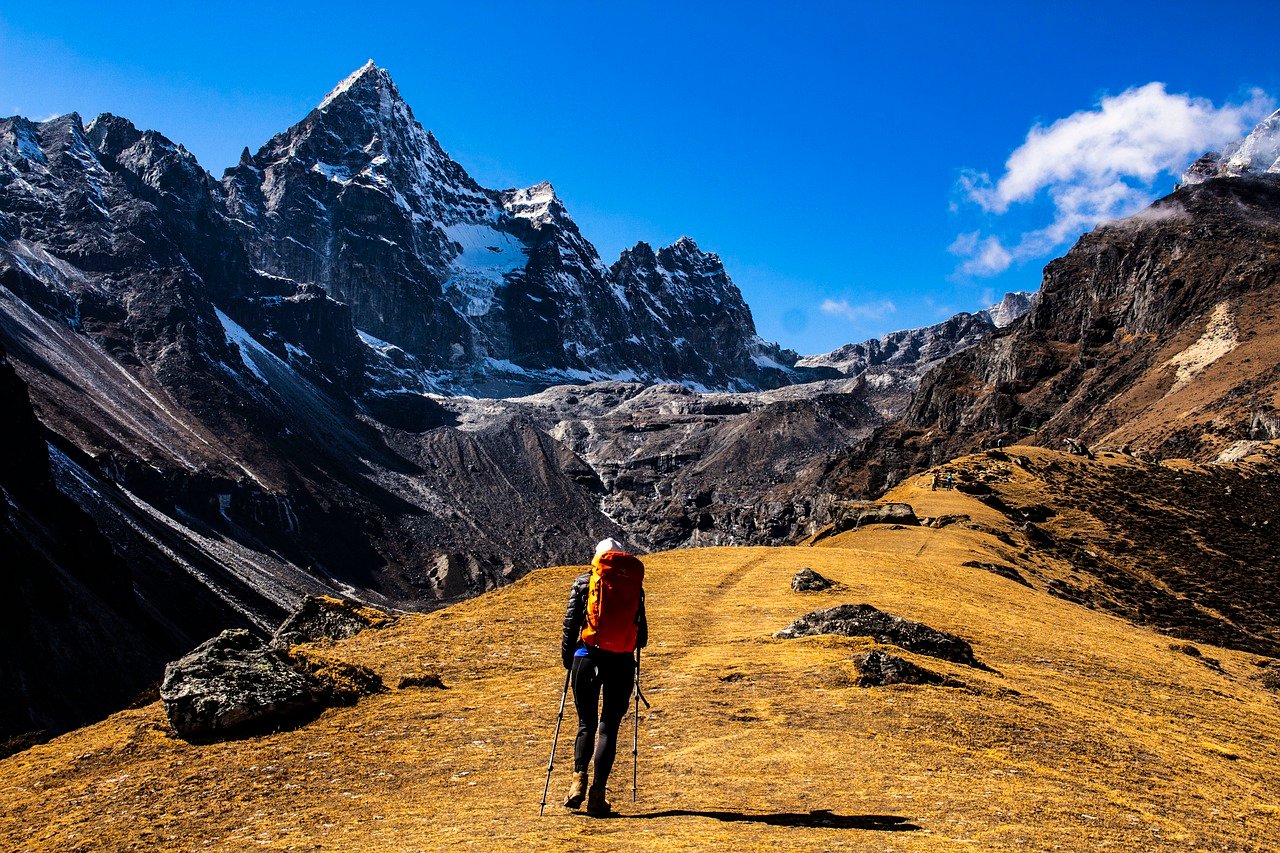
<point>237,684</point>
<point>807,580</point>
<point>863,620</point>
<point>232,684</point>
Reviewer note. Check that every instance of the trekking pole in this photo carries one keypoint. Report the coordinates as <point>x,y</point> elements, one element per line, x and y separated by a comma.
<point>635,733</point>
<point>551,763</point>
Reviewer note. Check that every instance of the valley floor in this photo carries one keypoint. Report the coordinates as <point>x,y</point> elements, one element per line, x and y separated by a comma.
<point>1089,733</point>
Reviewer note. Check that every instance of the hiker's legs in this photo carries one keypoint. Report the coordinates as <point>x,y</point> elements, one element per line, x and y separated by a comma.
<point>586,698</point>
<point>617,681</point>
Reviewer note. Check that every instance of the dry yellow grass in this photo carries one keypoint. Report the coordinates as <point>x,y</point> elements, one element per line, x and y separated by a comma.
<point>1093,734</point>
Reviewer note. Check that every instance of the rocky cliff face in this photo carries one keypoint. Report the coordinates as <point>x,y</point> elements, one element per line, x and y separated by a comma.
<point>1155,333</point>
<point>86,625</point>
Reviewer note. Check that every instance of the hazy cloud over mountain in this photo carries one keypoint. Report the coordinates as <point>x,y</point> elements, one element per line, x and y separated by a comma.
<point>1095,165</point>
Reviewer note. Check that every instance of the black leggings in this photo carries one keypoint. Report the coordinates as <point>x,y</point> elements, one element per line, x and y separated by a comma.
<point>612,674</point>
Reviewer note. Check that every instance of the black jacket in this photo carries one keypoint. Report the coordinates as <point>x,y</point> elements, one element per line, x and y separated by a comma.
<point>575,616</point>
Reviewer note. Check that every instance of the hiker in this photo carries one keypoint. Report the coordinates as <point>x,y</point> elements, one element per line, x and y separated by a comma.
<point>603,626</point>
<point>951,480</point>
<point>933,482</point>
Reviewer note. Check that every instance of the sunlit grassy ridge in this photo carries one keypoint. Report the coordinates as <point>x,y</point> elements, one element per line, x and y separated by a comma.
<point>1091,733</point>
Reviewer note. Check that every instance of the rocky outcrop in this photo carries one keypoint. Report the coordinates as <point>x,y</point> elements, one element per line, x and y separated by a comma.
<point>850,515</point>
<point>807,580</point>
<point>881,669</point>
<point>234,682</point>
<point>329,618</point>
<point>863,620</point>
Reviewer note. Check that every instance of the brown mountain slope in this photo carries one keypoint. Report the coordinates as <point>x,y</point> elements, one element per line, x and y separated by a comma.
<point>1190,549</point>
<point>1089,733</point>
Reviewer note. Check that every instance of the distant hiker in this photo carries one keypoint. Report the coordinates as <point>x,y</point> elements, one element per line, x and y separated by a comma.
<point>933,482</point>
<point>951,480</point>
<point>603,626</point>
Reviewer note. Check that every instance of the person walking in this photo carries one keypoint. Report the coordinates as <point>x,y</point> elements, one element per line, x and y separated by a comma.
<point>604,625</point>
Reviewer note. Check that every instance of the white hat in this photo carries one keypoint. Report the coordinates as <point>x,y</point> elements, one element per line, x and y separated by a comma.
<point>609,545</point>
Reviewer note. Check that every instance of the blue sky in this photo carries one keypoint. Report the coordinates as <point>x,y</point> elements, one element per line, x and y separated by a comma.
<point>848,161</point>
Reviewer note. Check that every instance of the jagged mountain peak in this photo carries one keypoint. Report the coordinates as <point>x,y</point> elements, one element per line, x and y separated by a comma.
<point>1012,307</point>
<point>685,252</point>
<point>70,120</point>
<point>368,80</point>
<point>538,204</point>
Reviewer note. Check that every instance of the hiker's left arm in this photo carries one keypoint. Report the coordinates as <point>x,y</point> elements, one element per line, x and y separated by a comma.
<point>573,618</point>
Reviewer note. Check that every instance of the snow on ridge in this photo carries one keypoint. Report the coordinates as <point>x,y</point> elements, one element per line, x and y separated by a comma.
<point>1256,154</point>
<point>531,203</point>
<point>338,174</point>
<point>347,82</point>
<point>246,345</point>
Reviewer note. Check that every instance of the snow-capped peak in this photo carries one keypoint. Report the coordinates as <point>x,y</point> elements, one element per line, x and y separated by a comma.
<point>1259,151</point>
<point>375,75</point>
<point>1256,154</point>
<point>532,203</point>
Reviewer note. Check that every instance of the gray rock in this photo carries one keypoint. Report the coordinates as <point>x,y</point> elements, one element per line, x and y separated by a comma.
<point>863,620</point>
<point>807,580</point>
<point>854,514</point>
<point>235,683</point>
<point>880,669</point>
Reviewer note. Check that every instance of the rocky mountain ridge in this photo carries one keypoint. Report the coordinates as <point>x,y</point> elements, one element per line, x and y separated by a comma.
<point>481,290</point>
<point>893,364</point>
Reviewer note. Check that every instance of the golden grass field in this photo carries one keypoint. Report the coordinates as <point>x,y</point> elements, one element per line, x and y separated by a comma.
<point>1093,734</point>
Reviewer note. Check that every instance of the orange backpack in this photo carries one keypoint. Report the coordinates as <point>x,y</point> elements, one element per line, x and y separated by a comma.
<point>613,602</point>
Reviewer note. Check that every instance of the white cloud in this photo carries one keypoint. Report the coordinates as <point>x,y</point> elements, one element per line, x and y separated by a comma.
<point>983,256</point>
<point>864,311</point>
<point>1097,165</point>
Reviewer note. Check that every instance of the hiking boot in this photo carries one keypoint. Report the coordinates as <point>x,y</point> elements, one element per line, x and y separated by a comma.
<point>577,791</point>
<point>596,803</point>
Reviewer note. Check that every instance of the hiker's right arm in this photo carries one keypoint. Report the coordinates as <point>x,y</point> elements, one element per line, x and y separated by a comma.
<point>574,615</point>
